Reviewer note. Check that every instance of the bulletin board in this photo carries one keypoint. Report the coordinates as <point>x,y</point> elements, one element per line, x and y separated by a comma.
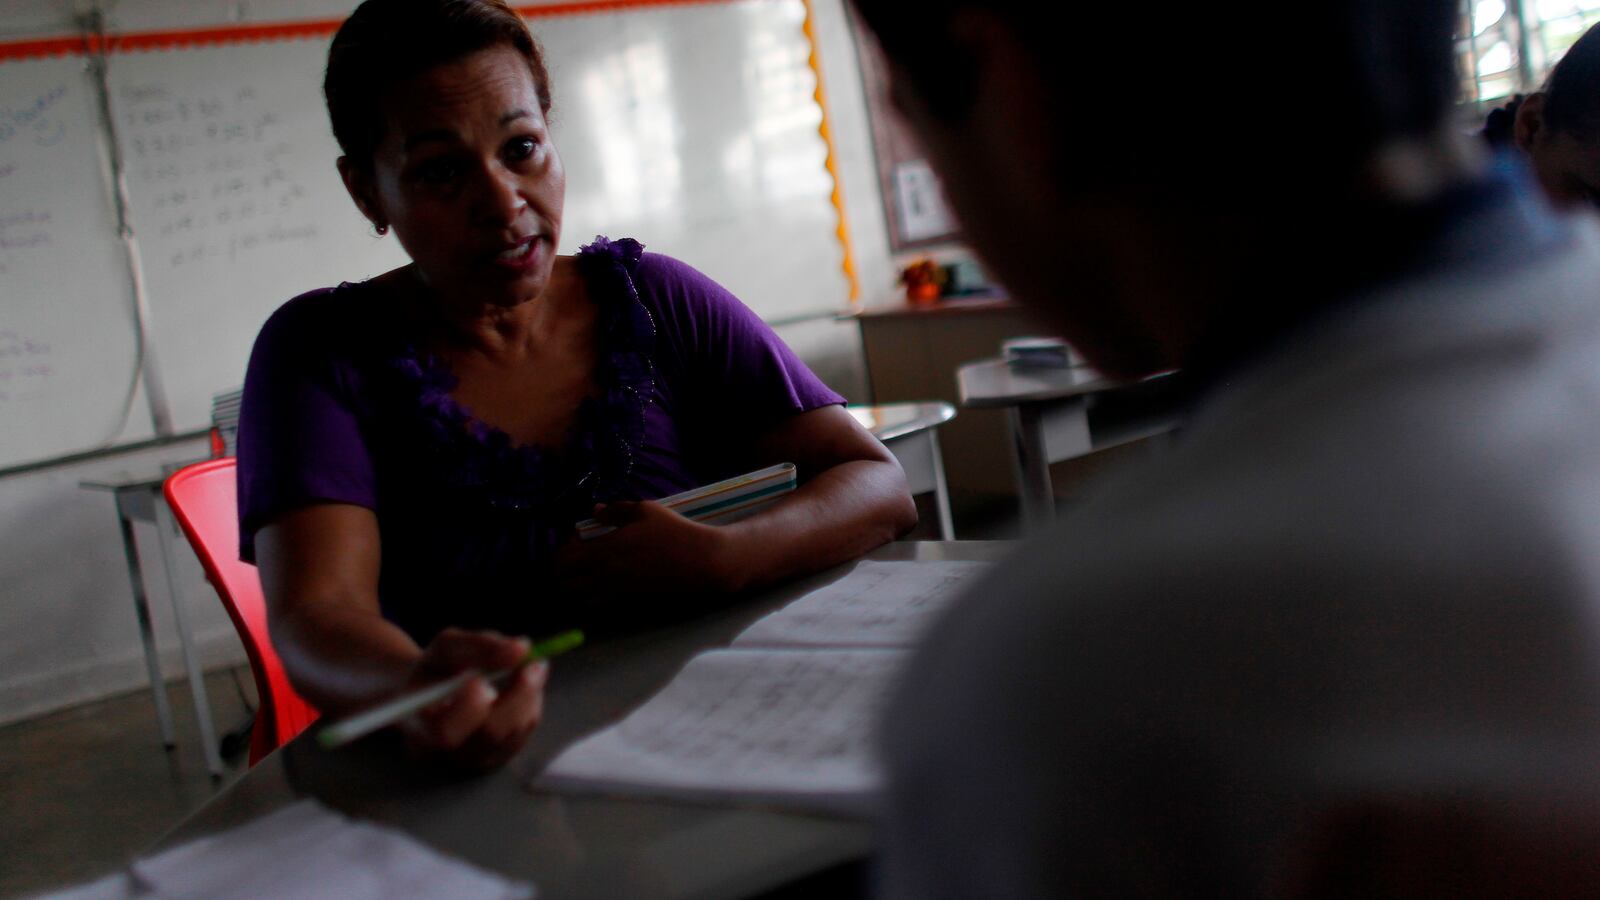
<point>914,203</point>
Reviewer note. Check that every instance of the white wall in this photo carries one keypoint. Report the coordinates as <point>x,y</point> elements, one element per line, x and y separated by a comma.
<point>67,627</point>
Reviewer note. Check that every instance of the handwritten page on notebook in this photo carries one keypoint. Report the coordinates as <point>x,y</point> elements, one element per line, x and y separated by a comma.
<point>793,727</point>
<point>327,855</point>
<point>879,604</point>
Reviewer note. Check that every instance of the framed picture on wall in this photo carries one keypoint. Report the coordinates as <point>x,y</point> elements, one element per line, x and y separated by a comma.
<point>913,200</point>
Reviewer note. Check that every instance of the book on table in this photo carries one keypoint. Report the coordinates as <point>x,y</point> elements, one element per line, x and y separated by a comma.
<point>786,716</point>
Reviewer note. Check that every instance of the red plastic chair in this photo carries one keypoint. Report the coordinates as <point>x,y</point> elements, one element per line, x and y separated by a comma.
<point>203,498</point>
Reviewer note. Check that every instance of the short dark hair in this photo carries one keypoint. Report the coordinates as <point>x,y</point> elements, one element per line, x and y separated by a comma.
<point>387,41</point>
<point>1572,92</point>
<point>1343,77</point>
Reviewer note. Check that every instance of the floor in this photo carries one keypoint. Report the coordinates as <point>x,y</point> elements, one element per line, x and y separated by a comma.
<point>86,789</point>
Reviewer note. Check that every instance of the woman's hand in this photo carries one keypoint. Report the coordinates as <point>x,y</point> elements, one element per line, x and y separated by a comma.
<point>852,498</point>
<point>478,727</point>
<point>654,551</point>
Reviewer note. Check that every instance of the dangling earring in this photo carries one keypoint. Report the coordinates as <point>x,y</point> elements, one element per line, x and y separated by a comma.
<point>381,229</point>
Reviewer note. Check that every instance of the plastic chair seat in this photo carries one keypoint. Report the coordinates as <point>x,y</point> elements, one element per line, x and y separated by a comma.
<point>204,500</point>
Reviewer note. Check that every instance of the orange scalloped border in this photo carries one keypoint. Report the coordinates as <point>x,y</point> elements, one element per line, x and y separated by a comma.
<point>826,130</point>
<point>47,47</point>
<point>137,41</point>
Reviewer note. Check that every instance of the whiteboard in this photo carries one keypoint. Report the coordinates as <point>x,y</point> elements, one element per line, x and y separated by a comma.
<point>68,345</point>
<point>696,130</point>
<point>691,128</point>
<point>236,202</point>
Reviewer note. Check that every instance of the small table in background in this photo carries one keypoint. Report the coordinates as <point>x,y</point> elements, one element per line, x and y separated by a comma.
<point>1048,413</point>
<point>138,499</point>
<point>911,432</point>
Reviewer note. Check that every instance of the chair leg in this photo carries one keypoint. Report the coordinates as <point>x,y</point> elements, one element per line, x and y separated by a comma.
<point>141,608</point>
<point>167,528</point>
<point>941,490</point>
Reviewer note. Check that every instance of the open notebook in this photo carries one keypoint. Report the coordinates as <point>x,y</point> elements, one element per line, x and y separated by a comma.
<point>786,715</point>
<point>303,851</point>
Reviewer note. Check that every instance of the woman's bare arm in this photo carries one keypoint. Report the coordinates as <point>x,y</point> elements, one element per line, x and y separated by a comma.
<point>319,570</point>
<point>853,498</point>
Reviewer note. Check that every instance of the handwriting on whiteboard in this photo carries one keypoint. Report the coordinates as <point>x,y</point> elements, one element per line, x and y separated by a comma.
<point>21,232</point>
<point>25,364</point>
<point>211,175</point>
<point>35,121</point>
<point>26,126</point>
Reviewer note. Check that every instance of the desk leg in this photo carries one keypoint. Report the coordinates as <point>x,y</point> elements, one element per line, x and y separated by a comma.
<point>1032,466</point>
<point>141,608</point>
<point>167,529</point>
<point>941,490</point>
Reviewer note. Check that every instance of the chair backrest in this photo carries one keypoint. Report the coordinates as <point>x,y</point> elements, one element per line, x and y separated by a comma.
<point>203,498</point>
<point>225,422</point>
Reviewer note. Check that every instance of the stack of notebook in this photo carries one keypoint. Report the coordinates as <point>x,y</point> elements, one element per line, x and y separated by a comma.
<point>1038,353</point>
<point>720,503</point>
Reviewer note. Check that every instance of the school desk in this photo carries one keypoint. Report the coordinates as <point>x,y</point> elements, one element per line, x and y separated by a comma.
<point>575,846</point>
<point>911,432</point>
<point>912,353</point>
<point>1048,416</point>
<point>138,499</point>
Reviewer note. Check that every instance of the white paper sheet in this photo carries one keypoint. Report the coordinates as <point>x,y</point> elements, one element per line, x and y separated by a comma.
<point>789,727</point>
<point>111,887</point>
<point>878,604</point>
<point>306,850</point>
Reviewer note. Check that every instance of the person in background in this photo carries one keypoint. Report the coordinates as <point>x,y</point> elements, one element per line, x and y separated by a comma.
<point>1342,639</point>
<point>414,450</point>
<point>1558,126</point>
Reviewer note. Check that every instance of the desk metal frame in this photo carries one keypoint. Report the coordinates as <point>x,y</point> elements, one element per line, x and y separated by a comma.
<point>140,500</point>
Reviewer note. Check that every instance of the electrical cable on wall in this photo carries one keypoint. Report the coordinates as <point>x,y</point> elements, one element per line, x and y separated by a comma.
<point>95,42</point>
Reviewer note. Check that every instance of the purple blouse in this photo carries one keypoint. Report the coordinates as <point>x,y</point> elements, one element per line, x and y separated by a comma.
<point>339,406</point>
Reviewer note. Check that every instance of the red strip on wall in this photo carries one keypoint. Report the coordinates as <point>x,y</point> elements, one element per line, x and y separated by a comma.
<point>62,46</point>
<point>136,41</point>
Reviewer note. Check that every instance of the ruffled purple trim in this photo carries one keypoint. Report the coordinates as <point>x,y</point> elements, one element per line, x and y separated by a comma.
<point>596,461</point>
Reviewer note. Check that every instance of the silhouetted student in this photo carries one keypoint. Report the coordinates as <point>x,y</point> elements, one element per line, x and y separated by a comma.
<point>1343,640</point>
<point>1558,126</point>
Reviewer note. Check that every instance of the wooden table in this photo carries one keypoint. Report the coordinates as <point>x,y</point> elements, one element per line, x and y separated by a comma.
<point>578,846</point>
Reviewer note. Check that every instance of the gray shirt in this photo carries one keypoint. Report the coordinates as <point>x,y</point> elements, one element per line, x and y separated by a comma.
<point>1367,575</point>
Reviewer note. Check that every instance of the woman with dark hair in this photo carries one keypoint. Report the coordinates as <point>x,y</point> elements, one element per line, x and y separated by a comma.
<point>1558,126</point>
<point>415,449</point>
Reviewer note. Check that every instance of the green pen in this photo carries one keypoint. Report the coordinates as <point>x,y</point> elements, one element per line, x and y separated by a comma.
<point>364,723</point>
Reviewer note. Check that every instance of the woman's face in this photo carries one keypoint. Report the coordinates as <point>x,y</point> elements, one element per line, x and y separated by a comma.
<point>468,179</point>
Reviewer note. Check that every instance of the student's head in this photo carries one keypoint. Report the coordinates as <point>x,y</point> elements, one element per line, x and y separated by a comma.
<point>1559,127</point>
<point>1096,157</point>
<point>439,107</point>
